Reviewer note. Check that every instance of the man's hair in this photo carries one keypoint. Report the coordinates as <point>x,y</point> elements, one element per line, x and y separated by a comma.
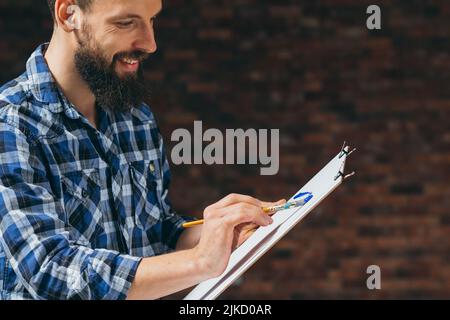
<point>83,4</point>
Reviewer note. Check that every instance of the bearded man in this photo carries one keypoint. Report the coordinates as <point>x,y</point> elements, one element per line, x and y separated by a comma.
<point>84,208</point>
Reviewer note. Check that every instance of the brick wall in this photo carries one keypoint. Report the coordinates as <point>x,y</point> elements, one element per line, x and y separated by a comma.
<point>311,69</point>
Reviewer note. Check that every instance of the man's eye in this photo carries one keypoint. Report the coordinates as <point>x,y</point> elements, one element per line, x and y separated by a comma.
<point>124,24</point>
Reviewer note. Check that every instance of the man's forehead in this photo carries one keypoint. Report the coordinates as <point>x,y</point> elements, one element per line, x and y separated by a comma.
<point>111,8</point>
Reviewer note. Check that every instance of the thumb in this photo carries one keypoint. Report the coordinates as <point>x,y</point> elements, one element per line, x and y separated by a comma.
<point>270,204</point>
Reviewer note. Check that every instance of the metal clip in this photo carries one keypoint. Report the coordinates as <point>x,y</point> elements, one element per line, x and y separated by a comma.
<point>344,151</point>
<point>341,174</point>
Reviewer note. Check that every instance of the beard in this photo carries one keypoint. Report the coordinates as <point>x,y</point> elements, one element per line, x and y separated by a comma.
<point>112,93</point>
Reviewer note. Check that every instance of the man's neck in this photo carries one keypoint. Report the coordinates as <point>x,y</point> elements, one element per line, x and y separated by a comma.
<point>60,60</point>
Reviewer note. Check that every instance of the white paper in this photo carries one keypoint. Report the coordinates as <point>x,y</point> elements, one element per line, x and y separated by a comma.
<point>321,185</point>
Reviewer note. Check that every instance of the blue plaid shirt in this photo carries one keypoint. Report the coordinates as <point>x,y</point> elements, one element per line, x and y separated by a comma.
<point>79,206</point>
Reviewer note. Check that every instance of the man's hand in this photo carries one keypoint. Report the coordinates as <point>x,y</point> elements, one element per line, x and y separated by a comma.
<point>228,223</point>
<point>246,230</point>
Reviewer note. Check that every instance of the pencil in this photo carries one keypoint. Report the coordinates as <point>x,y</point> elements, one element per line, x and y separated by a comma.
<point>287,205</point>
<point>193,223</point>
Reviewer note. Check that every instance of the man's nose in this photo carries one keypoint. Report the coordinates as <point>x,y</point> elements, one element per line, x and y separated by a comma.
<point>146,41</point>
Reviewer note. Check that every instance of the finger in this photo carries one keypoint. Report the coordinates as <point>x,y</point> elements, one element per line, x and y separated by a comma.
<point>270,204</point>
<point>246,235</point>
<point>248,226</point>
<point>250,231</point>
<point>235,198</point>
<point>236,207</point>
<point>230,200</point>
<point>244,213</point>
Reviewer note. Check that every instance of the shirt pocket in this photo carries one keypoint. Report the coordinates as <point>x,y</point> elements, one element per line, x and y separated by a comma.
<point>146,185</point>
<point>82,192</point>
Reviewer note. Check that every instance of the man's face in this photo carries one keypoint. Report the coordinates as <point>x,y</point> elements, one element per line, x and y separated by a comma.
<point>116,36</point>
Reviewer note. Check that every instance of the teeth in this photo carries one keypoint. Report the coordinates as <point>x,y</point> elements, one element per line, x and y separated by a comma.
<point>129,61</point>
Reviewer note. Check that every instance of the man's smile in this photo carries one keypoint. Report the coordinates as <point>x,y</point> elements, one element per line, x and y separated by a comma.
<point>128,64</point>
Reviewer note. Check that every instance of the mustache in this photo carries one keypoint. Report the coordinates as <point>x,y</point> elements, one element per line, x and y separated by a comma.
<point>134,55</point>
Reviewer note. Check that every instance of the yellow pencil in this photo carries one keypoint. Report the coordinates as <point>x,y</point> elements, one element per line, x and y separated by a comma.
<point>193,223</point>
<point>273,209</point>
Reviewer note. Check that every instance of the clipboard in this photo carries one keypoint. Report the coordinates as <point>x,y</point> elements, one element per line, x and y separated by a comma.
<point>321,185</point>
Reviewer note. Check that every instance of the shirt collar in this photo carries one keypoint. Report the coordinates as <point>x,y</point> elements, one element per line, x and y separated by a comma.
<point>43,86</point>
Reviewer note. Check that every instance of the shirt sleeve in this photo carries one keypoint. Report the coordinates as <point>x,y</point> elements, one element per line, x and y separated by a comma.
<point>172,223</point>
<point>36,239</point>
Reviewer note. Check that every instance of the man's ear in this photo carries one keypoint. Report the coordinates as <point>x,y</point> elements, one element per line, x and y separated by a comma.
<point>67,15</point>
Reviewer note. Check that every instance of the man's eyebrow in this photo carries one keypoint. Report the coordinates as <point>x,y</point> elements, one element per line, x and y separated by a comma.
<point>127,16</point>
<point>132,16</point>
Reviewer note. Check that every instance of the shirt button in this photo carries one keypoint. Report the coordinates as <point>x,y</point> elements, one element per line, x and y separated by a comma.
<point>152,167</point>
<point>85,193</point>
